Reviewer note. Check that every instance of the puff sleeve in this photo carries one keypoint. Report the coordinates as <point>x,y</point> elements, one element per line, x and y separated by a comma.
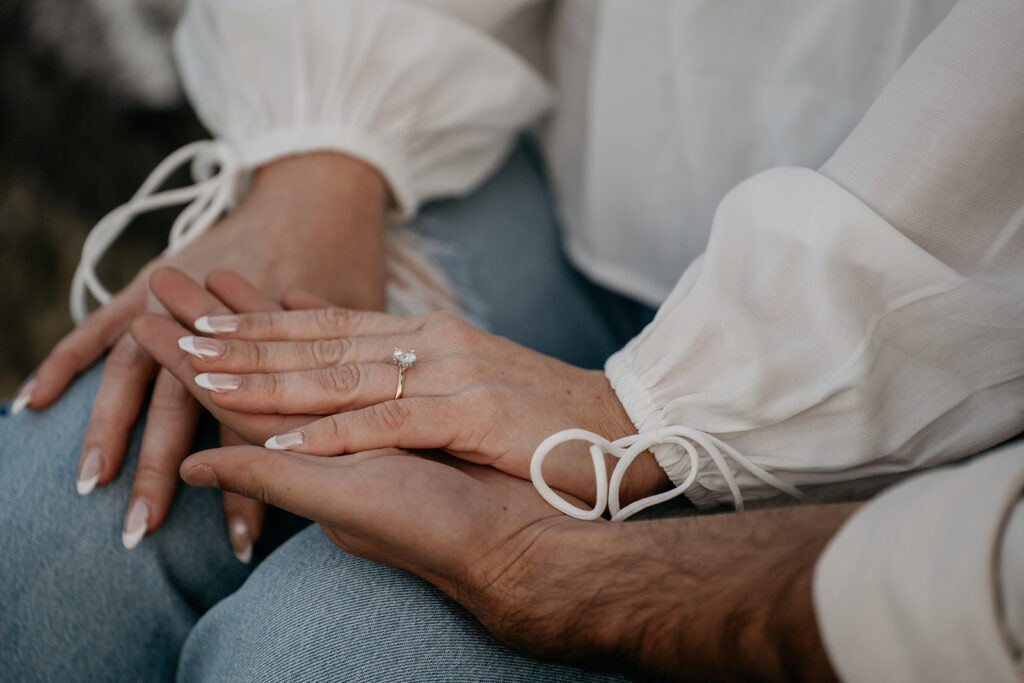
<point>423,91</point>
<point>865,319</point>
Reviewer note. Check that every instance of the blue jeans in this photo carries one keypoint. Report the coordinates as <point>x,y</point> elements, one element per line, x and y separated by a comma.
<point>75,605</point>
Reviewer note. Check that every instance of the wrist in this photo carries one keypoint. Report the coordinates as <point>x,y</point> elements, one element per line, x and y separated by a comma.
<point>316,222</point>
<point>726,597</point>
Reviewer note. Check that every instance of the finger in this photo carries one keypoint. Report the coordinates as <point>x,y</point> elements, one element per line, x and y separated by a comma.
<point>170,427</point>
<point>413,423</point>
<point>237,293</point>
<point>242,357</point>
<point>157,335</point>
<point>244,516</point>
<point>185,299</point>
<point>126,375</point>
<point>82,347</point>
<point>316,392</point>
<point>299,299</point>
<point>304,485</point>
<point>307,324</point>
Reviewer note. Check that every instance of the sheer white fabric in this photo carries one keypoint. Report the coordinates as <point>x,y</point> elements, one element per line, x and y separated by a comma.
<point>823,334</point>
<point>430,98</point>
<point>867,319</point>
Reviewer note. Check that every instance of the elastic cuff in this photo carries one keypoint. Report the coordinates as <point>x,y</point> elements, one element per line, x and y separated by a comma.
<point>646,417</point>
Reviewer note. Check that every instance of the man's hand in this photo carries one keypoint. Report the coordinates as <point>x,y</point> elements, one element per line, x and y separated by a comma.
<point>311,221</point>
<point>724,597</point>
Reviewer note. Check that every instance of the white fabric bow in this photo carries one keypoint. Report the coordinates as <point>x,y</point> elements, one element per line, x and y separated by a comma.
<point>626,450</point>
<point>215,169</point>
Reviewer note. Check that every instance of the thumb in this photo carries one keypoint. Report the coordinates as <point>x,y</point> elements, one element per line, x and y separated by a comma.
<point>303,484</point>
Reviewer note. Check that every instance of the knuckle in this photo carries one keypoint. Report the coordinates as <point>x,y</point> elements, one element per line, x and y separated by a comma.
<point>333,318</point>
<point>392,415</point>
<point>169,397</point>
<point>150,471</point>
<point>329,351</point>
<point>453,329</point>
<point>272,386</point>
<point>343,379</point>
<point>104,423</point>
<point>257,355</point>
<point>331,429</point>
<point>126,355</point>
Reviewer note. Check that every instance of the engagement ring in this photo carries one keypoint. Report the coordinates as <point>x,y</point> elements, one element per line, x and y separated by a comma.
<point>404,359</point>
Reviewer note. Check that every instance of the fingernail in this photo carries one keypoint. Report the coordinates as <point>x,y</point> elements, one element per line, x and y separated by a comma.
<point>23,397</point>
<point>218,324</point>
<point>241,543</point>
<point>201,475</point>
<point>135,523</point>
<point>283,442</point>
<point>89,472</point>
<point>202,347</point>
<point>218,381</point>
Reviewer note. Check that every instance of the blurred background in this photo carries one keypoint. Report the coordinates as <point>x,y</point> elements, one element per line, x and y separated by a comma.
<point>89,104</point>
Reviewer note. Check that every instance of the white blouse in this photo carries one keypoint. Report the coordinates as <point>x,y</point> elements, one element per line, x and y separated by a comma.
<point>834,328</point>
<point>819,335</point>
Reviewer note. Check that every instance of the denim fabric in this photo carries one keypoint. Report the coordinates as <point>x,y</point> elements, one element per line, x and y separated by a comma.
<point>75,605</point>
<point>310,612</point>
<point>501,249</point>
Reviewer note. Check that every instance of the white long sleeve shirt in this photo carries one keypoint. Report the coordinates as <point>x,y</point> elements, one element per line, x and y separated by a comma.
<point>810,336</point>
<point>838,326</point>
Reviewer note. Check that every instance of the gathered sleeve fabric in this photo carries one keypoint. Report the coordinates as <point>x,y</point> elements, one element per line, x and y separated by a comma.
<point>926,582</point>
<point>866,319</point>
<point>426,92</point>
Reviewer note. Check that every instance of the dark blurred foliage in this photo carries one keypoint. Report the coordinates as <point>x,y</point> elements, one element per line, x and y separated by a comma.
<point>69,152</point>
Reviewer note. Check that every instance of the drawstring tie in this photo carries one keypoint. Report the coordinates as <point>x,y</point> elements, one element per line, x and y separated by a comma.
<point>215,171</point>
<point>626,450</point>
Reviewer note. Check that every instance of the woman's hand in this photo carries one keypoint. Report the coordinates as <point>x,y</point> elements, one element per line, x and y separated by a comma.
<point>477,396</point>
<point>302,222</point>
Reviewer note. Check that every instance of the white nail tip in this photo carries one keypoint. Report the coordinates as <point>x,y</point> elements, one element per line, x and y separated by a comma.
<point>245,557</point>
<point>20,403</point>
<point>203,380</point>
<point>135,524</point>
<point>284,442</point>
<point>189,346</point>
<point>85,486</point>
<point>24,396</point>
<point>203,325</point>
<point>240,534</point>
<point>132,539</point>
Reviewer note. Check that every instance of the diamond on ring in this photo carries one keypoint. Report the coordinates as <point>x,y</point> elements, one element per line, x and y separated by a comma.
<point>403,358</point>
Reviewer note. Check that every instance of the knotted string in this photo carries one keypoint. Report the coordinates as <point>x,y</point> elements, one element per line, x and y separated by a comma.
<point>626,450</point>
<point>215,171</point>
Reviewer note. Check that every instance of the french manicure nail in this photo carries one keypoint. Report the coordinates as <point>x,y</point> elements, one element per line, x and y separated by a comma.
<point>218,381</point>
<point>23,397</point>
<point>283,442</point>
<point>135,523</point>
<point>202,347</point>
<point>241,543</point>
<point>217,324</point>
<point>89,472</point>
